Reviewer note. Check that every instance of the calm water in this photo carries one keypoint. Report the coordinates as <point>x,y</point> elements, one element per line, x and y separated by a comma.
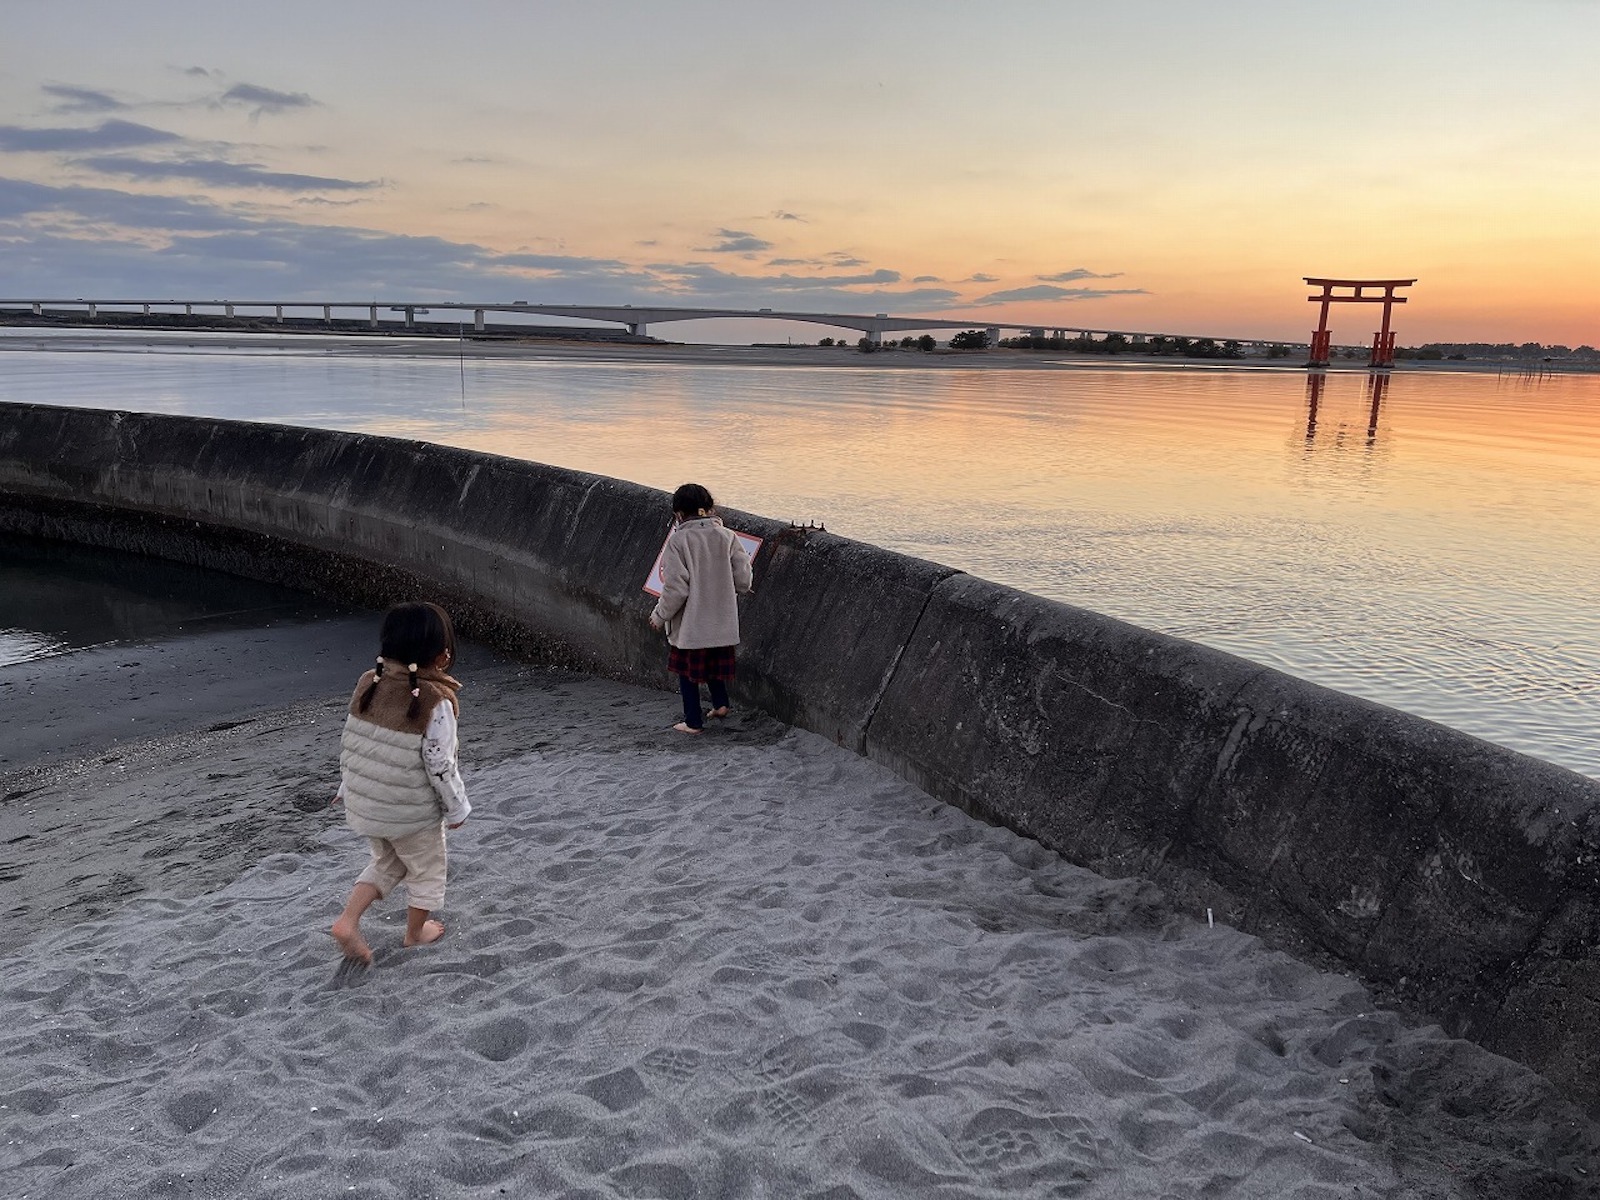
<point>57,598</point>
<point>1431,546</point>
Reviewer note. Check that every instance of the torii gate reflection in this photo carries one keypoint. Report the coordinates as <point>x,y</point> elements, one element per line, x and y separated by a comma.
<point>1377,387</point>
<point>1382,341</point>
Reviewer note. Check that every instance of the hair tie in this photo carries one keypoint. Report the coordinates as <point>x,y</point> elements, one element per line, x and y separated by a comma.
<point>415,692</point>
<point>411,666</point>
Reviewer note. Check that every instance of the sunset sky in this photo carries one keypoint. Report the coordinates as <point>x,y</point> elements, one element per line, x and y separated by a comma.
<point>1148,164</point>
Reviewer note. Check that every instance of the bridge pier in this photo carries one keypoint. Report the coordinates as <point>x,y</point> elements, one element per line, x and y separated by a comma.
<point>477,320</point>
<point>147,310</point>
<point>279,308</point>
<point>188,310</point>
<point>93,308</point>
<point>638,329</point>
<point>327,314</point>
<point>372,316</point>
<point>227,310</point>
<point>994,335</point>
<point>38,309</point>
<point>411,316</point>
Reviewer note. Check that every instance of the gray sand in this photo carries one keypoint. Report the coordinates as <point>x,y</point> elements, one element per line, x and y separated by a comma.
<point>750,964</point>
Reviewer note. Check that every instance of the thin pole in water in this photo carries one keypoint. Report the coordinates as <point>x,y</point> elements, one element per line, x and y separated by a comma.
<point>461,357</point>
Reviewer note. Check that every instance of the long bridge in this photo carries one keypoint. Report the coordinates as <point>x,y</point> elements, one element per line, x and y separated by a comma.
<point>635,319</point>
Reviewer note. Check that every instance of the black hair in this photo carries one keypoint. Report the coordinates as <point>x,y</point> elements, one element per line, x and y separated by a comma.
<point>690,499</point>
<point>415,634</point>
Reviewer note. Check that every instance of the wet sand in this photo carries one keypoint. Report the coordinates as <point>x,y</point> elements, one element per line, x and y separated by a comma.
<point>749,964</point>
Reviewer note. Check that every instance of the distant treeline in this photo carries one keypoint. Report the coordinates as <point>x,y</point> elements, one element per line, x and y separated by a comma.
<point>1117,343</point>
<point>1182,347</point>
<point>1527,351</point>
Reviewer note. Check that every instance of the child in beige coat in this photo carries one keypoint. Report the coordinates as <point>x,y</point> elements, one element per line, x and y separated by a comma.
<point>704,569</point>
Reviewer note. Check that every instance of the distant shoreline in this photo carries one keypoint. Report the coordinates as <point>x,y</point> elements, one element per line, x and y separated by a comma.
<point>102,337</point>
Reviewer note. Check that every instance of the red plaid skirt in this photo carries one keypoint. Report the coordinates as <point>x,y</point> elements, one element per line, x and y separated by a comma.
<point>702,665</point>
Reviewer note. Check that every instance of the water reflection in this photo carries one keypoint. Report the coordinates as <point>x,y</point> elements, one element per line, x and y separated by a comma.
<point>57,598</point>
<point>26,645</point>
<point>1424,538</point>
<point>1377,384</point>
<point>1317,382</point>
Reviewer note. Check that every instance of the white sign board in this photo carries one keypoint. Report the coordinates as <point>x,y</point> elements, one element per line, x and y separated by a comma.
<point>652,583</point>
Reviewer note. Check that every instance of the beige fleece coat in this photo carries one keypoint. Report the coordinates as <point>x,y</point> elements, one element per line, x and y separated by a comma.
<point>703,570</point>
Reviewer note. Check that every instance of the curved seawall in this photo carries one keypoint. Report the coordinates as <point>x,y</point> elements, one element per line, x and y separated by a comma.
<point>1459,876</point>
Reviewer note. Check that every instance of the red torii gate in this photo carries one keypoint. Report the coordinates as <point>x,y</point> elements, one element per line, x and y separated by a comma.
<point>1382,341</point>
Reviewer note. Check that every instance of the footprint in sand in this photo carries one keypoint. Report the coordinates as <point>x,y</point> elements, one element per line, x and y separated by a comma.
<point>1003,1139</point>
<point>672,1063</point>
<point>191,1110</point>
<point>498,1040</point>
<point>617,1091</point>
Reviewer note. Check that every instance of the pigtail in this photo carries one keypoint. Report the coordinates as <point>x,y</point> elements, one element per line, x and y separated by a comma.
<point>415,706</point>
<point>366,697</point>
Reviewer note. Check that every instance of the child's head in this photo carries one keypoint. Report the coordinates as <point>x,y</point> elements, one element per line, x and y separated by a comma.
<point>417,633</point>
<point>691,500</point>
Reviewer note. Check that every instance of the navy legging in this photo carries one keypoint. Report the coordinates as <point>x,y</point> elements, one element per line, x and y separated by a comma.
<point>690,691</point>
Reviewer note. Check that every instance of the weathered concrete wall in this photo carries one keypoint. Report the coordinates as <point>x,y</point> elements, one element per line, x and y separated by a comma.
<point>1459,876</point>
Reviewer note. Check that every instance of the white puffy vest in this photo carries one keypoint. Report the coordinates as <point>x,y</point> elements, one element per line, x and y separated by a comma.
<point>386,788</point>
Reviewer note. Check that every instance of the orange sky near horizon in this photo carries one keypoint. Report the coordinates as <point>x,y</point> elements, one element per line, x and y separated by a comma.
<point>1040,163</point>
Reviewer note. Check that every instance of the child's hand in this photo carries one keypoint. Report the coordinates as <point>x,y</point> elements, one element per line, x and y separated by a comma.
<point>655,621</point>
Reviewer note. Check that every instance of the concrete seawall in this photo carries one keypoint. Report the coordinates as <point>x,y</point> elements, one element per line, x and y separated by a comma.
<point>1458,876</point>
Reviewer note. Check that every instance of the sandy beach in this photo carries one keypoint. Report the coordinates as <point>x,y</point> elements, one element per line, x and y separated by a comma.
<point>750,964</point>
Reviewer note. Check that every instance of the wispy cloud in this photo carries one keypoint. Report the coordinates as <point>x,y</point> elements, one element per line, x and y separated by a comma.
<point>689,272</point>
<point>87,240</point>
<point>556,263</point>
<point>736,241</point>
<point>783,215</point>
<point>82,100</point>
<point>108,135</point>
<point>20,198</point>
<point>261,100</point>
<point>1076,274</point>
<point>218,173</point>
<point>1045,291</point>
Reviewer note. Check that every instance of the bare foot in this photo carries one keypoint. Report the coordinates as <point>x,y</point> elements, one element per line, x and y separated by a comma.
<point>348,935</point>
<point>431,931</point>
<point>719,713</point>
<point>685,727</point>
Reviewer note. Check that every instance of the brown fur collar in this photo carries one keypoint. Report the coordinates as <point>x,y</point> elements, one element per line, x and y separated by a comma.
<point>392,698</point>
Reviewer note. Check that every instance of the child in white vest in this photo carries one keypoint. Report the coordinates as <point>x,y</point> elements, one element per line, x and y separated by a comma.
<point>400,784</point>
